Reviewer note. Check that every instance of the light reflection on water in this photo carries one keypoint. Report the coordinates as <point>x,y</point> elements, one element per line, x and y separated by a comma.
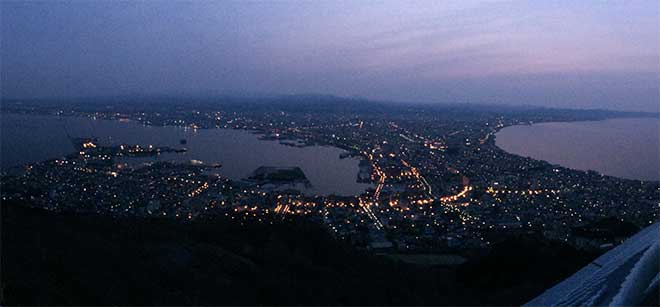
<point>31,138</point>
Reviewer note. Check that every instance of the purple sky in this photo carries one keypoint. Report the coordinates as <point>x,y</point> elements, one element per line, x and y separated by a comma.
<point>583,54</point>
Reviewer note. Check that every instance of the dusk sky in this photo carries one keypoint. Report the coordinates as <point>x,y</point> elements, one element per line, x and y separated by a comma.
<point>581,54</point>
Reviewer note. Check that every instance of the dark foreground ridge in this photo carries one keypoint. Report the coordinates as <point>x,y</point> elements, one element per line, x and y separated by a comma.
<point>73,259</point>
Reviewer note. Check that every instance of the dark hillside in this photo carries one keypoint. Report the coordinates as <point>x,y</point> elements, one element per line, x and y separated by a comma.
<point>63,259</point>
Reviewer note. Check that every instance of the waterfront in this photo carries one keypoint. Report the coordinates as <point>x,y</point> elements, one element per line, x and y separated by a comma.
<point>33,138</point>
<point>440,180</point>
<point>625,148</point>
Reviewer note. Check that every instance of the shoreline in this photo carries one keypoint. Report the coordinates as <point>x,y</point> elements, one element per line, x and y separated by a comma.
<point>494,140</point>
<point>253,133</point>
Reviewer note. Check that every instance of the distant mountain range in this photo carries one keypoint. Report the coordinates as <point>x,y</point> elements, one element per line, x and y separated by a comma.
<point>301,102</point>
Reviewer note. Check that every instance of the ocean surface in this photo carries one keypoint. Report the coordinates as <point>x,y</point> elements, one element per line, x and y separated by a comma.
<point>31,138</point>
<point>626,148</point>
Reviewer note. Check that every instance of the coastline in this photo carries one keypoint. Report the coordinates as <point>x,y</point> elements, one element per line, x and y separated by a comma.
<point>560,164</point>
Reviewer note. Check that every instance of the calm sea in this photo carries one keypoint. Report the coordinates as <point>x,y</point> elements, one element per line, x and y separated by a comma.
<point>626,148</point>
<point>31,138</point>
